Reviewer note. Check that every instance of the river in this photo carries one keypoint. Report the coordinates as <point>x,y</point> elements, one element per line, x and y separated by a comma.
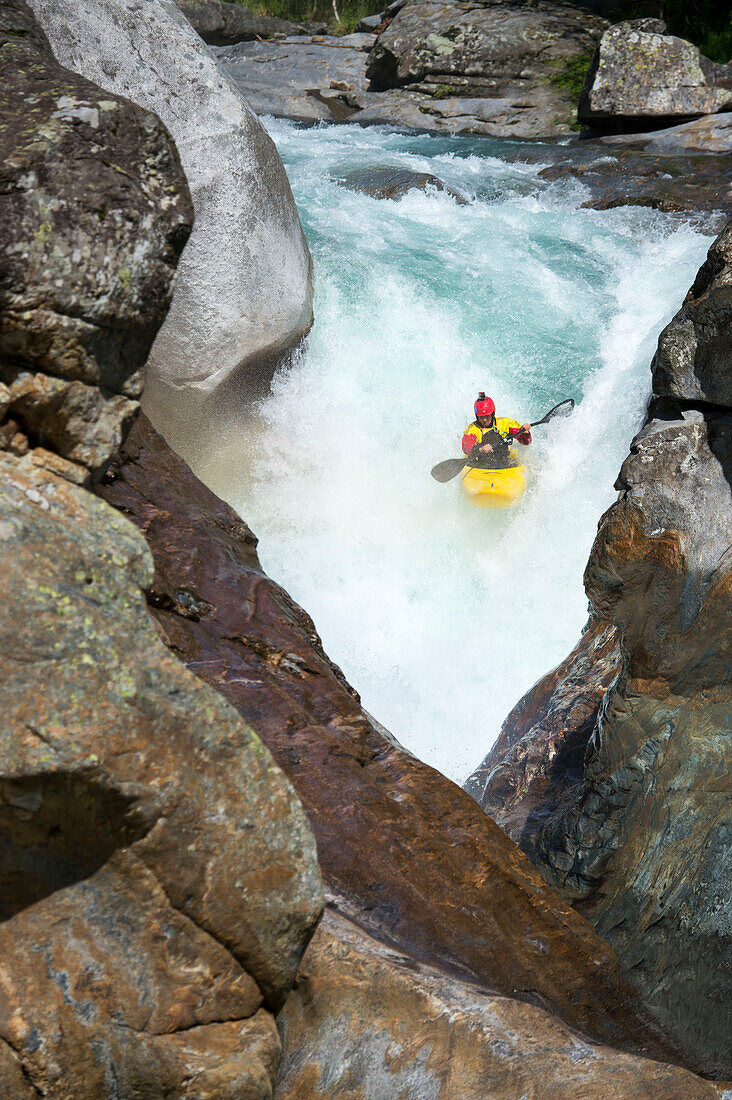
<point>442,616</point>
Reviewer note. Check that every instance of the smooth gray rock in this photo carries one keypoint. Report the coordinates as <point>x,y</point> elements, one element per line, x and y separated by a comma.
<point>301,78</point>
<point>637,75</point>
<point>243,293</point>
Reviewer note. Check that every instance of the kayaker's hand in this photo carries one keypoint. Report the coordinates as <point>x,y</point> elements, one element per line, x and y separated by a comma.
<point>487,449</point>
<point>526,429</point>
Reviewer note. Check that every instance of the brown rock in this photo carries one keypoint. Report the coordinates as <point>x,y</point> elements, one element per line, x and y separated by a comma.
<point>158,879</point>
<point>94,212</point>
<point>415,859</point>
<point>368,1021</point>
<point>536,763</point>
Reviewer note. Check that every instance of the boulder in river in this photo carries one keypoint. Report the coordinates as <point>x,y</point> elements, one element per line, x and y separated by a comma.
<point>243,294</point>
<point>641,847</point>
<point>639,75</point>
<point>395,183</point>
<point>94,213</point>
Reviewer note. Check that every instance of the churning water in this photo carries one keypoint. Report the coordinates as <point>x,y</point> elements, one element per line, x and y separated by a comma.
<point>440,615</point>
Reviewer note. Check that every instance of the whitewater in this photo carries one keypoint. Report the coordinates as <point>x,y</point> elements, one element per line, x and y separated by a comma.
<point>442,616</point>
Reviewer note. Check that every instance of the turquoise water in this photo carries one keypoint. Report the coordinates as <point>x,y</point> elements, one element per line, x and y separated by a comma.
<point>442,616</point>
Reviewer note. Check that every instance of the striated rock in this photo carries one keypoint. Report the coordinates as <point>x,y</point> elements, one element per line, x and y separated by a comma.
<point>94,212</point>
<point>415,860</point>
<point>395,183</point>
<point>367,1020</point>
<point>504,51</point>
<point>243,295</point>
<point>639,74</point>
<point>158,879</point>
<point>221,23</point>
<point>536,763</point>
<point>642,846</point>
<point>694,358</point>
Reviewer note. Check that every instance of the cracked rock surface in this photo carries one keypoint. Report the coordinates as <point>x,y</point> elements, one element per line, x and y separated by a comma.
<point>367,1021</point>
<point>94,213</point>
<point>158,876</point>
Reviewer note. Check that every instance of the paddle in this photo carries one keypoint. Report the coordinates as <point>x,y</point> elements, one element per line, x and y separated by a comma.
<point>451,467</point>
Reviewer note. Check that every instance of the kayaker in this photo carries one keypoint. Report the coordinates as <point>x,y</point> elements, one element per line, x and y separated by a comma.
<point>490,435</point>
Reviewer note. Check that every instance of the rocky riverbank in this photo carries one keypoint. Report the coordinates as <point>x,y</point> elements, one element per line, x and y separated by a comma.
<point>510,71</point>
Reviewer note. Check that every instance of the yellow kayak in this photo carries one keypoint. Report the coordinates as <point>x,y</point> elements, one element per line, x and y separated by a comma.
<point>493,488</point>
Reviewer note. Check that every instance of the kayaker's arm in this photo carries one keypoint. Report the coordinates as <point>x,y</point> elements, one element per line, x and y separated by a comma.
<point>521,433</point>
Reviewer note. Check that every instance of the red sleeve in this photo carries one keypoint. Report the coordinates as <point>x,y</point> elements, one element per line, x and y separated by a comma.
<point>469,442</point>
<point>524,437</point>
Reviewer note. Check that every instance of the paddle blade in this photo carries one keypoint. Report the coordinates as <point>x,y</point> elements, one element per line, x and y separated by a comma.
<point>447,470</point>
<point>564,408</point>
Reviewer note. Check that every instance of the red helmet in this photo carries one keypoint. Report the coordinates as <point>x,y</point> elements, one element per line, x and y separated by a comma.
<point>484,406</point>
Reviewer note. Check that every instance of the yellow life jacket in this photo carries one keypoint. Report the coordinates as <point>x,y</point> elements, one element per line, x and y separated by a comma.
<point>502,425</point>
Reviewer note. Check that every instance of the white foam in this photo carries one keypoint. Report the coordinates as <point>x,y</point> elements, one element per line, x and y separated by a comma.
<point>442,616</point>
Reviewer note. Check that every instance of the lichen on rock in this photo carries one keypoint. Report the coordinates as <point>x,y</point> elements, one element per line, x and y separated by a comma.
<point>94,212</point>
<point>158,873</point>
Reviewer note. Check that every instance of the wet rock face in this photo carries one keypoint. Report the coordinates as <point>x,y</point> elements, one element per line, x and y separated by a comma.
<point>639,74</point>
<point>243,296</point>
<point>694,358</point>
<point>395,183</point>
<point>413,857</point>
<point>158,877</point>
<point>511,52</point>
<point>536,764</point>
<point>367,1020</point>
<point>94,212</point>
